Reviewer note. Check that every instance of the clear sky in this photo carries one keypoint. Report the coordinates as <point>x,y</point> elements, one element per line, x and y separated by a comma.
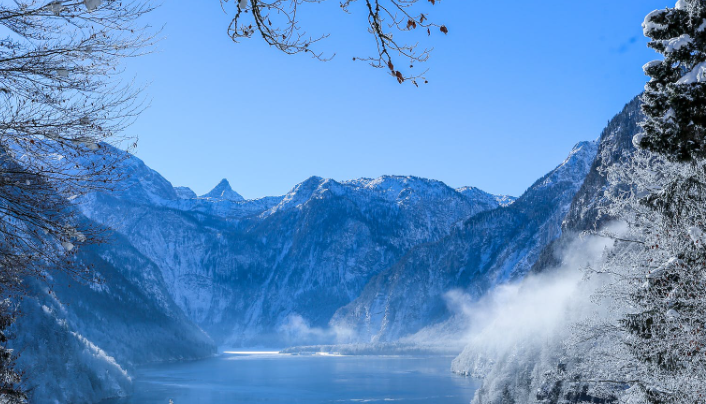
<point>513,87</point>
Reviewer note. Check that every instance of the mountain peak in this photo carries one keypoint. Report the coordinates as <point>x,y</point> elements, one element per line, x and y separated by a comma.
<point>185,193</point>
<point>223,191</point>
<point>478,196</point>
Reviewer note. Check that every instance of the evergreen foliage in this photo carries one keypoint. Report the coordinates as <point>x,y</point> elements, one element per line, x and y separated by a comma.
<point>659,273</point>
<point>674,102</point>
<point>661,276</point>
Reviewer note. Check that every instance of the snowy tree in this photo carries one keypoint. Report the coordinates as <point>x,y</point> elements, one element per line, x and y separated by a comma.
<point>655,284</point>
<point>674,101</point>
<point>653,332</point>
<point>63,108</point>
<point>276,22</point>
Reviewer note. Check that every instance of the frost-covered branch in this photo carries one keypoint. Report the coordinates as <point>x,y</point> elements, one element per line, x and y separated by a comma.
<point>63,107</point>
<point>656,334</point>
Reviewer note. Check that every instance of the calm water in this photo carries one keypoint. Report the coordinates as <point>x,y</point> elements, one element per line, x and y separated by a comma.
<point>267,378</point>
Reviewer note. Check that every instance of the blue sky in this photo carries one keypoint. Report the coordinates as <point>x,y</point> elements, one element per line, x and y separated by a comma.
<point>512,88</point>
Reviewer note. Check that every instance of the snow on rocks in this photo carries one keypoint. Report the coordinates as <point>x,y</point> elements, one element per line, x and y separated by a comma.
<point>91,146</point>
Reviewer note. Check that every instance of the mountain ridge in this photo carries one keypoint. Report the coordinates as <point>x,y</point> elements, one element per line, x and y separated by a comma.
<point>474,257</point>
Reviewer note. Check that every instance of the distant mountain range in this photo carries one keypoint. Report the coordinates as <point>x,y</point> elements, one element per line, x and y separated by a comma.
<point>245,270</point>
<point>365,260</point>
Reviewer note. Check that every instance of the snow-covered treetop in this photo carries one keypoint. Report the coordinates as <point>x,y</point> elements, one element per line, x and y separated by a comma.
<point>674,102</point>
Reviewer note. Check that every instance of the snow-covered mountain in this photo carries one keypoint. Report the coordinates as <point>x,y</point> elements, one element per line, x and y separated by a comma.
<point>485,250</point>
<point>615,145</point>
<point>100,331</point>
<point>245,270</point>
<point>319,262</point>
<point>323,261</point>
<point>185,193</point>
<point>223,191</point>
<point>481,197</point>
<point>535,370</point>
<point>365,260</point>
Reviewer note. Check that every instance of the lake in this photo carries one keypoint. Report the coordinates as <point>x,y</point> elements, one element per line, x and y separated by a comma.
<point>273,378</point>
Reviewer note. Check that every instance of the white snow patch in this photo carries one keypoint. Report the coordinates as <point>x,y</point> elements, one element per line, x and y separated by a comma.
<point>697,236</point>
<point>637,139</point>
<point>651,64</point>
<point>695,75</point>
<point>675,44</point>
<point>648,25</point>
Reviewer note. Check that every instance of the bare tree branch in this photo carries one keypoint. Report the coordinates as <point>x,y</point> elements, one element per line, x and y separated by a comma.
<point>63,108</point>
<point>276,22</point>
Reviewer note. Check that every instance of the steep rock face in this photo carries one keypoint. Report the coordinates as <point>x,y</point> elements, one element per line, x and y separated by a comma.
<point>528,373</point>
<point>101,330</point>
<point>489,248</point>
<point>243,270</point>
<point>615,144</point>
<point>140,182</point>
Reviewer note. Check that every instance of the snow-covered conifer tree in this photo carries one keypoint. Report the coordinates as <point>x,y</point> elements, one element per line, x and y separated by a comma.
<point>656,284</point>
<point>674,101</point>
<point>657,275</point>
